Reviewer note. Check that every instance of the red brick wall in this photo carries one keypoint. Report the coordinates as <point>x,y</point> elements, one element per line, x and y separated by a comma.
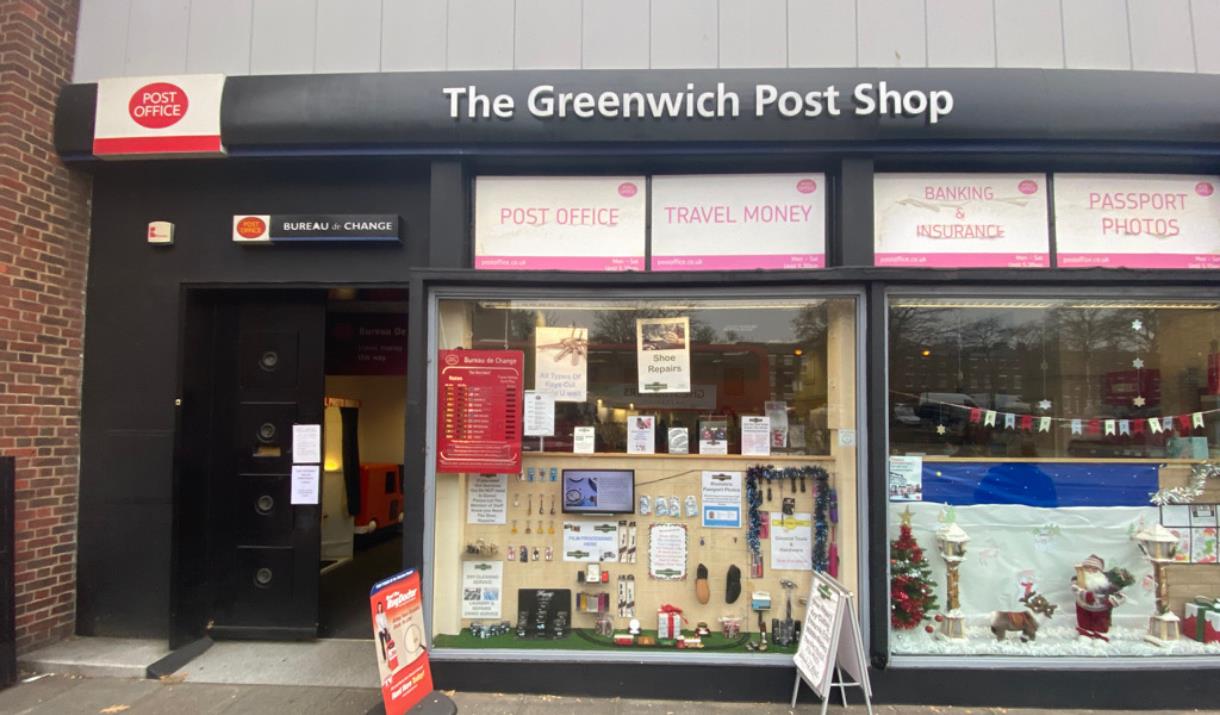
<point>44,220</point>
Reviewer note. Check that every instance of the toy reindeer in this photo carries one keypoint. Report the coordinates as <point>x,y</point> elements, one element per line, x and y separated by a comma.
<point>1023,621</point>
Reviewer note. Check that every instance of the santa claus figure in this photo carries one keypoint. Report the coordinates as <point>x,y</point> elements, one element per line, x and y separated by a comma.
<point>1097,594</point>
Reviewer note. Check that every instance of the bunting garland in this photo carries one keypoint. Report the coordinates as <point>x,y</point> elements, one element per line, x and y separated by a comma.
<point>1183,424</point>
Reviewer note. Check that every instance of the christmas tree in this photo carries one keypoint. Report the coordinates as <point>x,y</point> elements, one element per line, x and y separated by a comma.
<point>912,593</point>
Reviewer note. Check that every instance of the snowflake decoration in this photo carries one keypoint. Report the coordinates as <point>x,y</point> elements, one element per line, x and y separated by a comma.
<point>1044,405</point>
<point>940,429</point>
<point>1138,401</point>
<point>1137,363</point>
<point>1137,324</point>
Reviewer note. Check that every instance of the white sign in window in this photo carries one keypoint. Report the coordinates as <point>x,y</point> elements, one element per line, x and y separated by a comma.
<point>961,221</point>
<point>567,223</point>
<point>1137,221</point>
<point>738,222</point>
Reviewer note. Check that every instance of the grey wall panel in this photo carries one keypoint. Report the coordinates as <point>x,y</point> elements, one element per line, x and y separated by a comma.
<point>1162,38</point>
<point>349,36</point>
<point>480,35</point>
<point>821,33</point>
<point>1206,16</point>
<point>615,34</point>
<point>283,36</point>
<point>1029,33</point>
<point>101,39</point>
<point>548,34</point>
<point>891,33</point>
<point>1095,35</point>
<point>961,33</point>
<point>684,34</point>
<point>753,33</point>
<point>414,35</point>
<point>156,34</point>
<point>219,38</point>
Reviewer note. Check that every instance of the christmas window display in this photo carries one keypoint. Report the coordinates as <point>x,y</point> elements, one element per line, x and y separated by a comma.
<point>1052,490</point>
<point>685,465</point>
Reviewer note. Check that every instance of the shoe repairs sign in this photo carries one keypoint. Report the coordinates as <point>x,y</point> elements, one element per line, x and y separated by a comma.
<point>262,229</point>
<point>398,636</point>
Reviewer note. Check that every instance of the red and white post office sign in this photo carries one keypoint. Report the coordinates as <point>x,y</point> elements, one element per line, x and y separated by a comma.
<point>158,116</point>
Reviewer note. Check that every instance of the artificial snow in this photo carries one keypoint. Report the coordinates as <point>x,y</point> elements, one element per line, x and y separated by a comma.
<point>1052,640</point>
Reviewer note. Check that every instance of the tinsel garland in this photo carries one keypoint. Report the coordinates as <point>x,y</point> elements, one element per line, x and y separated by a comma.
<point>821,507</point>
<point>1199,474</point>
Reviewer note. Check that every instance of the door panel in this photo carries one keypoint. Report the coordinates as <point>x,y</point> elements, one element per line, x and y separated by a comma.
<point>267,550</point>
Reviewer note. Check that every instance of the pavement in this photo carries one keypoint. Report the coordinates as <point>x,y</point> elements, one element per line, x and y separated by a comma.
<point>78,695</point>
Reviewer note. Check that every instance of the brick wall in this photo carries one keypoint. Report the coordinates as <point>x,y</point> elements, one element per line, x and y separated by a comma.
<point>44,214</point>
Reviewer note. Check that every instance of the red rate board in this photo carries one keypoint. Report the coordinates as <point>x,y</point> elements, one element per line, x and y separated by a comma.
<point>479,411</point>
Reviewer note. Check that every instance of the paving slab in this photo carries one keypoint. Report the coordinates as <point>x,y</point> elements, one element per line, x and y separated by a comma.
<point>188,698</point>
<point>330,663</point>
<point>27,697</point>
<point>96,657</point>
<point>93,695</point>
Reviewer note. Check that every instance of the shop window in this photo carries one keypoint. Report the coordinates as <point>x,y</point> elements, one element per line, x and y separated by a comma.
<point>1030,442</point>
<point>762,387</point>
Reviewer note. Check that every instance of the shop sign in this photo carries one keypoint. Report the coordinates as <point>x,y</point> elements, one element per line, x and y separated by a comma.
<point>398,638</point>
<point>158,116</point>
<point>479,400</point>
<point>961,221</point>
<point>738,222</point>
<point>571,223</point>
<point>366,344</point>
<point>663,351</point>
<point>1137,221</point>
<point>315,228</point>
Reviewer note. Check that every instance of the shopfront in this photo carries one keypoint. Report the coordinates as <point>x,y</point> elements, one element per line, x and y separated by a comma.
<point>949,337</point>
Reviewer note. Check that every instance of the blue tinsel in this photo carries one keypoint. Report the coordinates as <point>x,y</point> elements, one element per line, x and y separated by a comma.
<point>821,507</point>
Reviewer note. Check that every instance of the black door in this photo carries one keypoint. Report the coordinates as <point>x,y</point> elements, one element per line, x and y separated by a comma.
<point>264,551</point>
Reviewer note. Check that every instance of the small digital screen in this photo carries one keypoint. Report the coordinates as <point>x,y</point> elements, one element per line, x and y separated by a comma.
<point>598,491</point>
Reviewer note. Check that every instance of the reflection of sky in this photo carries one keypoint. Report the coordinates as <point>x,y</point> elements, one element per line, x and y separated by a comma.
<point>755,325</point>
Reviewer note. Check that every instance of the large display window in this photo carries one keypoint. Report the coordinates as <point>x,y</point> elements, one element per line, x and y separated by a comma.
<point>1051,490</point>
<point>686,463</point>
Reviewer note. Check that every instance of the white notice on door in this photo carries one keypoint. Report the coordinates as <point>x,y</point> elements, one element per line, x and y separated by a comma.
<point>305,483</point>
<point>306,444</point>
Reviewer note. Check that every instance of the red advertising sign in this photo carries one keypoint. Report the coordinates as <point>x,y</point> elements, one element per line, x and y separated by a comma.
<point>398,636</point>
<point>479,398</point>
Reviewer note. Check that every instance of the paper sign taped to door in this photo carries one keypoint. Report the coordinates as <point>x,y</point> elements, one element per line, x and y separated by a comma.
<point>306,482</point>
<point>306,444</point>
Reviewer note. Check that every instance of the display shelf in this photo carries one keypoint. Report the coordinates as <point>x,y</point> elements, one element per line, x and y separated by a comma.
<point>587,639</point>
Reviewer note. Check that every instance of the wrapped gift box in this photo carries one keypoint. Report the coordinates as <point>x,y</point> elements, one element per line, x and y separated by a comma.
<point>624,639</point>
<point>1195,622</point>
<point>1211,627</point>
<point>669,621</point>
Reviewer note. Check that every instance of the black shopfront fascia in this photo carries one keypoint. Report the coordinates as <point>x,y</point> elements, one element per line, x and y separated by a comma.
<point>384,143</point>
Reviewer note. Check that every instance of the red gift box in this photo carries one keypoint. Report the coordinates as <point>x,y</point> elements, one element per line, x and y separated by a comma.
<point>669,621</point>
<point>1211,627</point>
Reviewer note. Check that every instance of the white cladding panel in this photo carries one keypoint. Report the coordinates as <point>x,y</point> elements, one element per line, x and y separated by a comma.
<point>149,37</point>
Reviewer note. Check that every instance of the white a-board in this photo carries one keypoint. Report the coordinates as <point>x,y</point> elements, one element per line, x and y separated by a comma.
<point>830,644</point>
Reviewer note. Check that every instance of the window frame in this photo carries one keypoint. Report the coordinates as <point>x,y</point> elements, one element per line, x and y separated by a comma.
<point>533,291</point>
<point>882,514</point>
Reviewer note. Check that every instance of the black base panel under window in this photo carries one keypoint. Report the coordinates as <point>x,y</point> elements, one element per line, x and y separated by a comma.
<point>1150,688</point>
